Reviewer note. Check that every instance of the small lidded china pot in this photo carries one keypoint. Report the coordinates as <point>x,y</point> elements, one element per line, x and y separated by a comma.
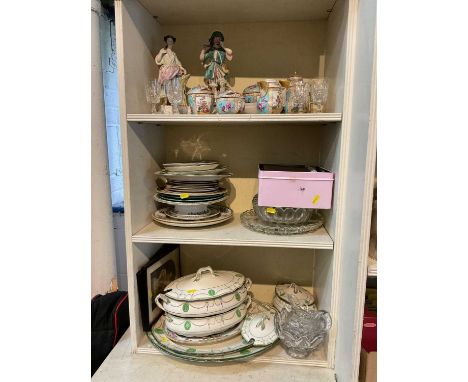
<point>200,100</point>
<point>297,95</point>
<point>271,99</point>
<point>287,295</point>
<point>229,102</point>
<point>251,93</point>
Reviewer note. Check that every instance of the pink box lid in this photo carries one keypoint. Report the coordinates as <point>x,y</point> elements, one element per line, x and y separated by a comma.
<point>301,172</point>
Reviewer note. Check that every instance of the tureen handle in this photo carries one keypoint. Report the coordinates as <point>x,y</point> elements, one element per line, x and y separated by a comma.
<point>203,270</point>
<point>160,296</point>
<point>248,283</point>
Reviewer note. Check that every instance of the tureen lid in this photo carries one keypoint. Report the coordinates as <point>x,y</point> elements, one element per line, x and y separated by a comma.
<point>206,284</point>
<point>294,293</point>
<point>230,94</point>
<point>199,90</point>
<point>251,89</point>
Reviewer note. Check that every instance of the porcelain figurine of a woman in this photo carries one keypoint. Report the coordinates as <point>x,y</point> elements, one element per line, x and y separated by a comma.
<point>172,75</point>
<point>214,58</point>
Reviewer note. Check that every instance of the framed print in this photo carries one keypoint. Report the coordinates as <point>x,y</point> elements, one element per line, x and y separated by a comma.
<point>153,277</point>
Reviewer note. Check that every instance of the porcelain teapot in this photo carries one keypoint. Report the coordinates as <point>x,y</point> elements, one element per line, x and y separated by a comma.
<point>272,95</point>
<point>297,95</point>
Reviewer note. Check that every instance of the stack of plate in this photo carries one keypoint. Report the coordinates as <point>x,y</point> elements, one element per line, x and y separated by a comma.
<point>210,317</point>
<point>191,193</point>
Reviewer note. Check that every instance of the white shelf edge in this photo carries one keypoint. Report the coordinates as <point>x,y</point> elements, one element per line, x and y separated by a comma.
<point>249,118</point>
<point>219,235</point>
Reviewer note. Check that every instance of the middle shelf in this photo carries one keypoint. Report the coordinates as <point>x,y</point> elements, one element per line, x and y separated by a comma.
<point>230,233</point>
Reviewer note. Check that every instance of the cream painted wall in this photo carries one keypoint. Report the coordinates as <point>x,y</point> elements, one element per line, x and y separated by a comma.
<point>261,50</point>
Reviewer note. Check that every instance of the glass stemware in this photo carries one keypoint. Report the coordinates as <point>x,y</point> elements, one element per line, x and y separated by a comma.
<point>153,90</point>
<point>319,94</point>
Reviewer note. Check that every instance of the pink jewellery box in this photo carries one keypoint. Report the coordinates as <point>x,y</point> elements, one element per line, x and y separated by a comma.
<point>294,186</point>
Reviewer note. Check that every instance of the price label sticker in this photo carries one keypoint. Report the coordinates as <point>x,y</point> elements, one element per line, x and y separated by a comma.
<point>271,210</point>
<point>184,196</point>
<point>316,199</point>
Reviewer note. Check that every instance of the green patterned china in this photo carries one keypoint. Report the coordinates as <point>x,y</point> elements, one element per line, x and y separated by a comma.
<point>228,348</point>
<point>234,331</point>
<point>237,356</point>
<point>260,328</point>
<point>203,308</point>
<point>206,326</point>
<point>232,345</point>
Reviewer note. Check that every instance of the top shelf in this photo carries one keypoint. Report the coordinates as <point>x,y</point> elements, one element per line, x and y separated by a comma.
<point>180,12</point>
<point>168,119</point>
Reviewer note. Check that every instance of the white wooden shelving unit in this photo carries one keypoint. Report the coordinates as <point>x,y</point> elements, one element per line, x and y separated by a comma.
<point>312,38</point>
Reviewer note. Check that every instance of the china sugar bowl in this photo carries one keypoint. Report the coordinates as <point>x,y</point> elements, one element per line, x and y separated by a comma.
<point>206,326</point>
<point>287,295</point>
<point>200,100</point>
<point>229,102</point>
<point>251,93</point>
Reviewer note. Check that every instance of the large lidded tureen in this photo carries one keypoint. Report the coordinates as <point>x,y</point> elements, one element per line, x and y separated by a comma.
<point>206,302</point>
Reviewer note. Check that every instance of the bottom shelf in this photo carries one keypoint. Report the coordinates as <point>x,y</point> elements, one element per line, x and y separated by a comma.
<point>276,355</point>
<point>124,366</point>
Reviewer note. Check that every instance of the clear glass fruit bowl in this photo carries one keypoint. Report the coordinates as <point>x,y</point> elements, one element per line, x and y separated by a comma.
<point>282,215</point>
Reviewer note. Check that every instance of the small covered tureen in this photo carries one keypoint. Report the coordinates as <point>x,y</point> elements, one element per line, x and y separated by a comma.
<point>200,100</point>
<point>287,295</point>
<point>229,102</point>
<point>251,93</point>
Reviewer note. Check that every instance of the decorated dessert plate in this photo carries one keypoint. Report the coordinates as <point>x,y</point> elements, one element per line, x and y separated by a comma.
<point>192,171</point>
<point>161,217</point>
<point>190,201</point>
<point>191,194</point>
<point>260,328</point>
<point>200,177</point>
<point>212,212</point>
<point>191,166</point>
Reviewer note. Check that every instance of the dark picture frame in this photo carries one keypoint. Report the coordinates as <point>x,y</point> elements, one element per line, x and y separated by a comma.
<point>162,268</point>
